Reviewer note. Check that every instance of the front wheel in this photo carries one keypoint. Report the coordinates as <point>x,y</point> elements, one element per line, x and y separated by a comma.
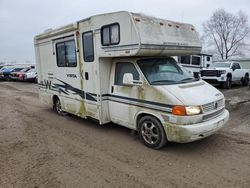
<point>151,132</point>
<point>228,83</point>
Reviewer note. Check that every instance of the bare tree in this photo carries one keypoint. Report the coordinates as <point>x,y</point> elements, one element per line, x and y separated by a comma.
<point>225,33</point>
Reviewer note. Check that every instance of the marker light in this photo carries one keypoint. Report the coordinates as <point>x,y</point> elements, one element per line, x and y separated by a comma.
<point>179,111</point>
<point>137,19</point>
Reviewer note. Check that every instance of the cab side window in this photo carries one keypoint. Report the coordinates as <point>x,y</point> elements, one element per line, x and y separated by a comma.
<point>237,66</point>
<point>121,69</point>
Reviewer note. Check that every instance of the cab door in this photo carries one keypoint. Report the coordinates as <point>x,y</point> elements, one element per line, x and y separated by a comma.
<point>236,71</point>
<point>123,99</point>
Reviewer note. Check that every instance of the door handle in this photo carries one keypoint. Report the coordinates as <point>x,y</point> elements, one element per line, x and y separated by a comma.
<point>86,76</point>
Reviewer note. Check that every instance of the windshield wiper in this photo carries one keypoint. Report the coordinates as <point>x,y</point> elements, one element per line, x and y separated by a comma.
<point>189,79</point>
<point>162,81</point>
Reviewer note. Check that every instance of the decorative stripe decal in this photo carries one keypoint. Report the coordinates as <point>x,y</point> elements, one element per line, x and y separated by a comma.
<point>140,101</point>
<point>68,89</point>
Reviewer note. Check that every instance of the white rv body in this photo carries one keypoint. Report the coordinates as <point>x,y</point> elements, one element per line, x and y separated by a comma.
<point>85,78</point>
<point>195,63</point>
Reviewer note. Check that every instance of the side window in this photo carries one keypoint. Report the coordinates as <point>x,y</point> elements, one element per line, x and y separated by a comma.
<point>110,34</point>
<point>196,60</point>
<point>66,54</point>
<point>121,69</point>
<point>88,46</point>
<point>184,60</point>
<point>237,66</point>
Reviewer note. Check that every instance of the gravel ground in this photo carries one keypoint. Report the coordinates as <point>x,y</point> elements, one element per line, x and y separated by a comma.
<point>40,149</point>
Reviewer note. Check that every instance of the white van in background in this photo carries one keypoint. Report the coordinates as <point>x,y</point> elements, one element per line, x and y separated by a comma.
<point>117,68</point>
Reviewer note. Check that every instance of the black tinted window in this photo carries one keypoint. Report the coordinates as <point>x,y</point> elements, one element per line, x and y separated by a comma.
<point>184,59</point>
<point>196,60</point>
<point>237,66</point>
<point>66,54</point>
<point>88,46</point>
<point>121,69</point>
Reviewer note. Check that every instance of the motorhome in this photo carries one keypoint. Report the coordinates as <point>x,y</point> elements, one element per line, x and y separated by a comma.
<point>117,67</point>
<point>194,63</point>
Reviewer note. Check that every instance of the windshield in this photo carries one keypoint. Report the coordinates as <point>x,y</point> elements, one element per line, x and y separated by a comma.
<point>220,65</point>
<point>32,70</point>
<point>164,71</point>
<point>17,69</point>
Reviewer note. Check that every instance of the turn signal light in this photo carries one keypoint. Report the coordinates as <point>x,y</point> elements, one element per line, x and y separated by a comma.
<point>137,19</point>
<point>179,111</point>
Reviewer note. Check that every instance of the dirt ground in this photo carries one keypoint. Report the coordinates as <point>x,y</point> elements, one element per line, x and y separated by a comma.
<point>41,149</point>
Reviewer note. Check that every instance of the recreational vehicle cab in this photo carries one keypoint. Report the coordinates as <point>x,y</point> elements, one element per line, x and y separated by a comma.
<point>117,67</point>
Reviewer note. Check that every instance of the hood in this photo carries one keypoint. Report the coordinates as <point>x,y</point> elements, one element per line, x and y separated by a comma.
<point>30,73</point>
<point>194,93</point>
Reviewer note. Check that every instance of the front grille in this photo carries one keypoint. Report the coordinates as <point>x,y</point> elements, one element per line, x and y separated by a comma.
<point>213,115</point>
<point>210,73</point>
<point>212,106</point>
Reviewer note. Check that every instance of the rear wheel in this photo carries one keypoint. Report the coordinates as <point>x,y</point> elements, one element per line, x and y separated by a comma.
<point>58,107</point>
<point>245,81</point>
<point>228,83</point>
<point>151,132</point>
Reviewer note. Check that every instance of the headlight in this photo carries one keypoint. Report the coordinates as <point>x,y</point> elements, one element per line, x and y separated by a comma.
<point>186,110</point>
<point>193,110</point>
<point>223,71</point>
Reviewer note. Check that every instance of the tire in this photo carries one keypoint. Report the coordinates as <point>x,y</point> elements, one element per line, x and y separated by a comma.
<point>245,80</point>
<point>58,107</point>
<point>228,83</point>
<point>151,132</point>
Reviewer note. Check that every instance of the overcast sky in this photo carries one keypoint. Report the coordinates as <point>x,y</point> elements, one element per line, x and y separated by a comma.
<point>21,20</point>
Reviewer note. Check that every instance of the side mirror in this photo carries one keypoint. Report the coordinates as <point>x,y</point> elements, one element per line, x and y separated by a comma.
<point>129,80</point>
<point>233,68</point>
<point>208,65</point>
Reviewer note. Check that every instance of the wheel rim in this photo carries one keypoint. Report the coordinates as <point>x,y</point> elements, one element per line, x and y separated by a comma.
<point>247,79</point>
<point>150,132</point>
<point>229,83</point>
<point>58,107</point>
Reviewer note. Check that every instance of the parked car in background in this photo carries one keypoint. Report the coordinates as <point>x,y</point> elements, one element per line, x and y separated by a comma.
<point>6,73</point>
<point>31,75</point>
<point>19,75</point>
<point>226,73</point>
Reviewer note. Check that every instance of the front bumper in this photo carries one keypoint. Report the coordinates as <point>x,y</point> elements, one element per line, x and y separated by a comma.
<point>214,79</point>
<point>193,132</point>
